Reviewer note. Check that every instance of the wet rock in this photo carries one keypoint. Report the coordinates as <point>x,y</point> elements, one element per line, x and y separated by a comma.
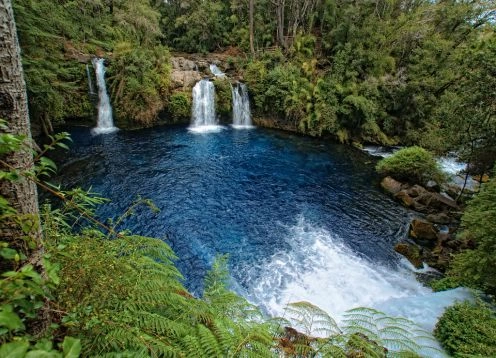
<point>432,186</point>
<point>404,198</point>
<point>439,218</point>
<point>410,252</point>
<point>422,230</point>
<point>391,185</point>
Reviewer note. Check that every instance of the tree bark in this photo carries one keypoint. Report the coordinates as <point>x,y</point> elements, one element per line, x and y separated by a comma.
<point>252,35</point>
<point>20,194</point>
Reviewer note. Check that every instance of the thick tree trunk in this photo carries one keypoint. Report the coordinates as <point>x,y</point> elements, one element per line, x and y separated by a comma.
<point>21,194</point>
<point>252,35</point>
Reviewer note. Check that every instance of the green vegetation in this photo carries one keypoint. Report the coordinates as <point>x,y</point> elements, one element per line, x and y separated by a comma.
<point>477,268</point>
<point>412,164</point>
<point>467,329</point>
<point>180,105</point>
<point>223,96</point>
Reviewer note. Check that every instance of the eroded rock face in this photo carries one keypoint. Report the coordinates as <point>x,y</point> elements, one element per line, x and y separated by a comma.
<point>184,80</point>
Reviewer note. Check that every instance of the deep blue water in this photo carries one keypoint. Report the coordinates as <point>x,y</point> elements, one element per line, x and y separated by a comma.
<point>298,216</point>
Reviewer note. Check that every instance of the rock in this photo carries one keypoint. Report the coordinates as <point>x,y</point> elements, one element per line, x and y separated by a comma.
<point>481,178</point>
<point>411,252</point>
<point>436,202</point>
<point>440,218</point>
<point>404,198</point>
<point>184,79</point>
<point>432,186</point>
<point>183,64</point>
<point>452,190</point>
<point>416,190</point>
<point>423,230</point>
<point>391,185</point>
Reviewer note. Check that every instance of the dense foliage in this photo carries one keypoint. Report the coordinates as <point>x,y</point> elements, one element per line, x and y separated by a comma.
<point>477,268</point>
<point>412,164</point>
<point>379,71</point>
<point>468,329</point>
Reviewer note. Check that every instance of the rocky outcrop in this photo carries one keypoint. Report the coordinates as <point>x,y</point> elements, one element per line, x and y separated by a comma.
<point>433,232</point>
<point>184,74</point>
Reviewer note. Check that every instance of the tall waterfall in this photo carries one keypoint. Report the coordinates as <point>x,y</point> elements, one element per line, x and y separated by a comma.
<point>203,118</point>
<point>241,107</point>
<point>105,123</point>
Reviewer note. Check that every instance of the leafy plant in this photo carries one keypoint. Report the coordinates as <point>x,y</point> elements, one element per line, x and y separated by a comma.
<point>412,164</point>
<point>180,105</point>
<point>467,329</point>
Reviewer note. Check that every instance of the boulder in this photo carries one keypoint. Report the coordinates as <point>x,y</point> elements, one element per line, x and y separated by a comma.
<point>422,230</point>
<point>404,198</point>
<point>391,185</point>
<point>411,252</point>
<point>416,190</point>
<point>184,79</point>
<point>481,178</point>
<point>436,201</point>
<point>440,218</point>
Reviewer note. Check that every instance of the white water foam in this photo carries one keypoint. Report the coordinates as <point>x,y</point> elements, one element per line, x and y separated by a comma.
<point>320,269</point>
<point>207,129</point>
<point>451,166</point>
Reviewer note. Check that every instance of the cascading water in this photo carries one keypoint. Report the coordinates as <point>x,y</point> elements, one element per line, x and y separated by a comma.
<point>241,107</point>
<point>203,118</point>
<point>216,71</point>
<point>105,123</point>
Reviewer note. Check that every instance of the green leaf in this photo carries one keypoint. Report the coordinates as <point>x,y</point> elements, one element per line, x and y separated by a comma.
<point>8,253</point>
<point>71,347</point>
<point>9,318</point>
<point>43,354</point>
<point>14,349</point>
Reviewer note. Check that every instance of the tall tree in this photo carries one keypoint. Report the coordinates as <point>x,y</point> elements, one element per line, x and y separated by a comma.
<point>251,15</point>
<point>21,194</point>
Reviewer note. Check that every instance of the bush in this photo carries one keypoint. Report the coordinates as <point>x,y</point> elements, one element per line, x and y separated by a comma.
<point>223,97</point>
<point>412,164</point>
<point>180,105</point>
<point>467,329</point>
<point>477,268</point>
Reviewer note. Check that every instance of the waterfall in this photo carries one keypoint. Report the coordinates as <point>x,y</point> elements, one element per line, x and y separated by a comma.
<point>91,89</point>
<point>216,71</point>
<point>105,124</point>
<point>241,107</point>
<point>203,118</point>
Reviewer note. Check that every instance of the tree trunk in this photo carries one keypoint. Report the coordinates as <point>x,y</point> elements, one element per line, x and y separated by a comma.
<point>252,35</point>
<point>20,194</point>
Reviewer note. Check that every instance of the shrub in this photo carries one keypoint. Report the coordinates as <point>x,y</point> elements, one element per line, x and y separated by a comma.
<point>467,329</point>
<point>180,105</point>
<point>413,164</point>
<point>223,96</point>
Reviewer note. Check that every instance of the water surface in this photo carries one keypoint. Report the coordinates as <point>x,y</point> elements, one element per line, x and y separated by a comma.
<point>301,219</point>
